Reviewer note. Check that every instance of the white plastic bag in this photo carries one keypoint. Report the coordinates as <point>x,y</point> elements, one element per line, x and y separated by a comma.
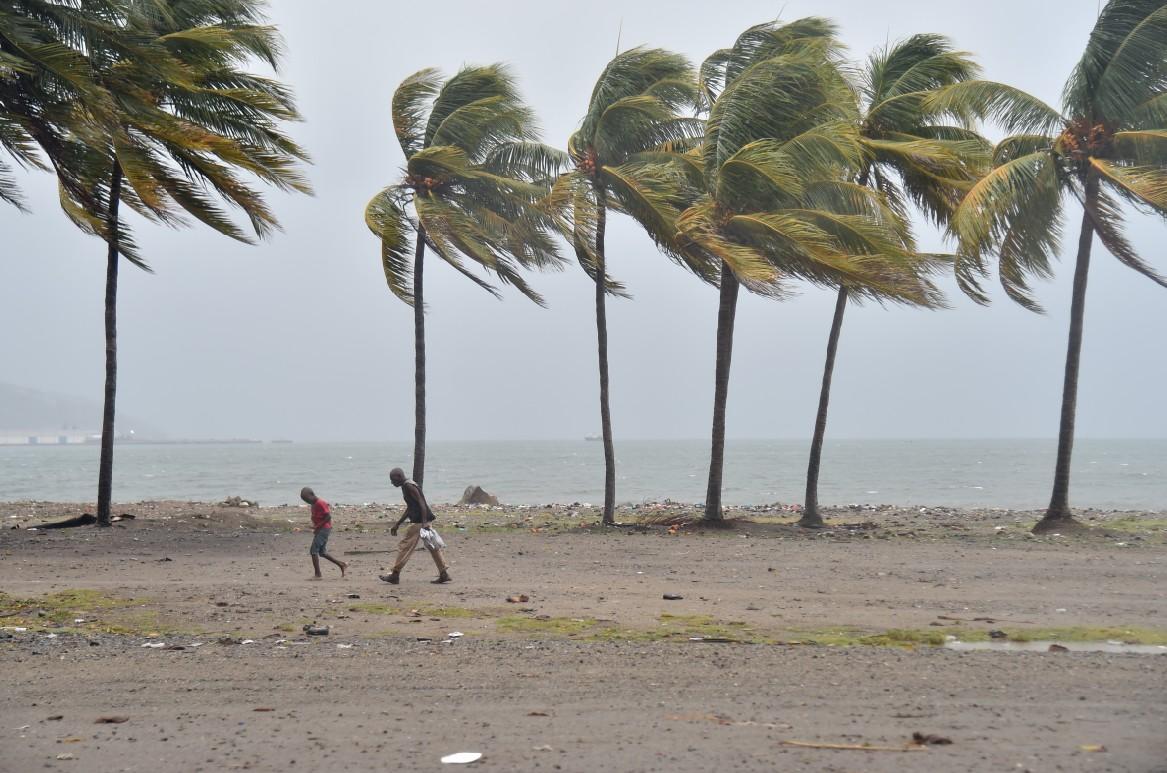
<point>431,539</point>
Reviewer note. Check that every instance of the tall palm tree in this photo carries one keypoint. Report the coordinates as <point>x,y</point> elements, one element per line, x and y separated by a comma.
<point>477,179</point>
<point>775,200</point>
<point>635,114</point>
<point>182,122</point>
<point>914,155</point>
<point>1106,149</point>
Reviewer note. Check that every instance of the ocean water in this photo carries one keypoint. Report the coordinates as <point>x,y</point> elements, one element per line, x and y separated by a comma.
<point>962,473</point>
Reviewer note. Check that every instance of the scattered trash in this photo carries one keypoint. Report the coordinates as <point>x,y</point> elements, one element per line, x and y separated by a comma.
<point>164,559</point>
<point>154,645</point>
<point>537,714</point>
<point>316,630</point>
<point>1092,747</point>
<point>354,595</point>
<point>174,647</point>
<point>111,720</point>
<point>461,758</point>
<point>520,598</point>
<point>714,640</point>
<point>672,597</point>
<point>998,635</point>
<point>264,708</point>
<point>248,641</point>
<point>543,748</point>
<point>455,634</point>
<point>1057,648</point>
<point>239,502</point>
<point>220,603</point>
<point>227,640</point>
<point>929,739</point>
<point>344,646</point>
<point>55,718</point>
<point>66,756</point>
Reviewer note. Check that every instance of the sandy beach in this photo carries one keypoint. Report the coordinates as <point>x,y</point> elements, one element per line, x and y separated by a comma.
<point>188,621</point>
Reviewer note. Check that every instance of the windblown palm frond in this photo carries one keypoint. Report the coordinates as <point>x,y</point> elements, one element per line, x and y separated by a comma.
<point>476,178</point>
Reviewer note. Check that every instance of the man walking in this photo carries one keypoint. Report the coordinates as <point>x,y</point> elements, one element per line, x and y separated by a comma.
<point>420,516</point>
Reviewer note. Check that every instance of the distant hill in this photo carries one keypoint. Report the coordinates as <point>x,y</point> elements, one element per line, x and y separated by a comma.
<point>27,409</point>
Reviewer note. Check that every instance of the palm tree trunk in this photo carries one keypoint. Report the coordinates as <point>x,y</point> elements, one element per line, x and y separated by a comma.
<point>1058,516</point>
<point>726,313</point>
<point>602,347</point>
<point>810,513</point>
<point>105,466</point>
<point>418,361</point>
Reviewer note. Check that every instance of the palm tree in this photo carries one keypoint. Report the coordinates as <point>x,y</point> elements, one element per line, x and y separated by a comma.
<point>635,114</point>
<point>477,179</point>
<point>913,155</point>
<point>181,124</point>
<point>1107,148</point>
<point>773,201</point>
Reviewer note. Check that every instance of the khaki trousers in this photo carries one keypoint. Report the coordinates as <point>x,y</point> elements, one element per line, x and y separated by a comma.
<point>409,543</point>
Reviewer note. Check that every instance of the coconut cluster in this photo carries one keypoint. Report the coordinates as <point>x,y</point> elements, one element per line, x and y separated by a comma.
<point>1080,140</point>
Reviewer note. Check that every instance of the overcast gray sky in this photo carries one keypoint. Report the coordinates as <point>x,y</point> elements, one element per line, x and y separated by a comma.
<point>299,337</point>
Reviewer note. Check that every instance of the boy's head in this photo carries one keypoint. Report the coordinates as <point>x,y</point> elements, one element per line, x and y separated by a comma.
<point>397,476</point>
<point>308,495</point>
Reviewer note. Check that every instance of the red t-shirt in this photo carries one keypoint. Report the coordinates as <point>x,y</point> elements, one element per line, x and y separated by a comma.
<point>321,515</point>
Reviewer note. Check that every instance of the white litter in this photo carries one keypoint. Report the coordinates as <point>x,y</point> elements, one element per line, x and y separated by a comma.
<point>455,634</point>
<point>461,758</point>
<point>248,641</point>
<point>155,645</point>
<point>344,646</point>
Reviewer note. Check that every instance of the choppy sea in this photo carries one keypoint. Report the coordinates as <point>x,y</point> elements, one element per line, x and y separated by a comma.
<point>959,473</point>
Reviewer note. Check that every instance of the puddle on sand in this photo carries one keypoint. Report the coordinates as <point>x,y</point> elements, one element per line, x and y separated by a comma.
<point>1073,646</point>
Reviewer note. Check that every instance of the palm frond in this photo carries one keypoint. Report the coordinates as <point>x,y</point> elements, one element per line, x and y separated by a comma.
<point>385,217</point>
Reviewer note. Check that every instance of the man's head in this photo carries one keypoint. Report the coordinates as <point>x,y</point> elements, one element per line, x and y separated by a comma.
<point>308,495</point>
<point>397,476</point>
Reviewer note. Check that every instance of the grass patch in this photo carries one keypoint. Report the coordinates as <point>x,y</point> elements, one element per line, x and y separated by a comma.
<point>1130,635</point>
<point>551,626</point>
<point>1133,524</point>
<point>97,611</point>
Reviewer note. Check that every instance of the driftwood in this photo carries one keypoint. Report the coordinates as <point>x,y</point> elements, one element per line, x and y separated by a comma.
<point>85,519</point>
<point>854,747</point>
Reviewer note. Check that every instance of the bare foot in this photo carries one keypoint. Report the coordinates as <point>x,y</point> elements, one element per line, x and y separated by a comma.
<point>343,568</point>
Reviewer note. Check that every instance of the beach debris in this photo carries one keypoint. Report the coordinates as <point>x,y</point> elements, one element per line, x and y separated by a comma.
<point>354,595</point>
<point>518,598</point>
<point>66,756</point>
<point>930,739</point>
<point>854,746</point>
<point>316,630</point>
<point>1057,648</point>
<point>455,634</point>
<point>228,640</point>
<point>264,708</point>
<point>55,718</point>
<point>85,519</point>
<point>239,502</point>
<point>998,635</point>
<point>461,758</point>
<point>537,714</point>
<point>1091,748</point>
<point>714,640</point>
<point>543,748</point>
<point>476,495</point>
<point>154,645</point>
<point>344,646</point>
<point>110,720</point>
<point>672,597</point>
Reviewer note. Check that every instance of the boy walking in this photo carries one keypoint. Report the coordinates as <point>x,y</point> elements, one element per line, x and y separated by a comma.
<point>420,516</point>
<point>321,530</point>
